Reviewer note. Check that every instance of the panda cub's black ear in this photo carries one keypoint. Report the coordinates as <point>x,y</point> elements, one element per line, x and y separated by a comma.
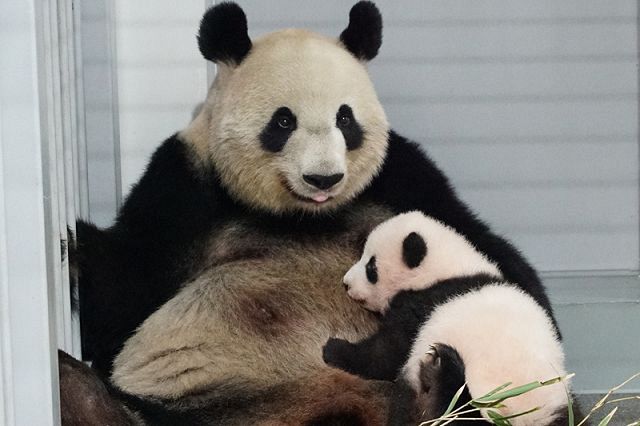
<point>414,249</point>
<point>363,35</point>
<point>223,35</point>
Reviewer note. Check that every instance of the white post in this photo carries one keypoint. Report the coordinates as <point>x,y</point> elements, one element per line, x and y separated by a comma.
<point>29,375</point>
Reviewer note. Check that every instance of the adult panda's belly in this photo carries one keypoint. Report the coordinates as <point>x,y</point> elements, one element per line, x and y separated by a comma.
<point>253,320</point>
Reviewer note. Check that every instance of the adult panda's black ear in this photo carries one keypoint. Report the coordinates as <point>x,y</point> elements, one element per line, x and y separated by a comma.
<point>363,35</point>
<point>223,35</point>
<point>414,249</point>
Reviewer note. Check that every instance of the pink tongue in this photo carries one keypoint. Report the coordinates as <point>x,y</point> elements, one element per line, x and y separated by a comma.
<point>320,198</point>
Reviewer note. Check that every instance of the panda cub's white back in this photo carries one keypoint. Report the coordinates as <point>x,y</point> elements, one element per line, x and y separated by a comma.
<point>502,335</point>
<point>499,331</point>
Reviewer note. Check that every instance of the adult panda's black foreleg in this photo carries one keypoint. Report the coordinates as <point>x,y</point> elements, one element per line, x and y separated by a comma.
<point>128,270</point>
<point>410,180</point>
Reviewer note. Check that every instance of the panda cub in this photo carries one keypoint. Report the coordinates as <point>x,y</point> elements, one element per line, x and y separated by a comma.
<point>449,318</point>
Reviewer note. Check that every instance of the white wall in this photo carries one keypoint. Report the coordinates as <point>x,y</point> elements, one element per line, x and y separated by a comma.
<point>161,75</point>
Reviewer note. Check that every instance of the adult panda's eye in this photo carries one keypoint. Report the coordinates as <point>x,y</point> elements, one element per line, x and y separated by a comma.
<point>344,121</point>
<point>347,123</point>
<point>276,132</point>
<point>285,122</point>
<point>372,270</point>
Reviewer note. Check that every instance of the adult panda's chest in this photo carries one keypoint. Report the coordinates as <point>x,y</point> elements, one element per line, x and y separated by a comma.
<point>288,275</point>
<point>261,307</point>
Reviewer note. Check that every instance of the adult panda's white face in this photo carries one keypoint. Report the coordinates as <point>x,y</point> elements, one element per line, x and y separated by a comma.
<point>292,122</point>
<point>411,251</point>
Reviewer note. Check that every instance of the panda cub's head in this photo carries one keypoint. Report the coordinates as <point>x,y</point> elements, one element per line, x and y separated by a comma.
<point>411,251</point>
<point>292,122</point>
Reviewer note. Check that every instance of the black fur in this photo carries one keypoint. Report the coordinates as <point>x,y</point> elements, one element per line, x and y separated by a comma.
<point>382,355</point>
<point>363,35</point>
<point>130,269</point>
<point>350,128</point>
<point>223,35</point>
<point>414,249</point>
<point>371,269</point>
<point>275,134</point>
<point>323,181</point>
<point>441,376</point>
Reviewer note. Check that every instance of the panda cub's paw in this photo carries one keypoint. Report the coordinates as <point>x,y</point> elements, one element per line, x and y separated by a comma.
<point>430,369</point>
<point>338,353</point>
<point>441,375</point>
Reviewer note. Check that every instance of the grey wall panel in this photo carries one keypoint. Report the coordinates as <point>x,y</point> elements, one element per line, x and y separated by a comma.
<point>100,112</point>
<point>530,107</point>
<point>601,338</point>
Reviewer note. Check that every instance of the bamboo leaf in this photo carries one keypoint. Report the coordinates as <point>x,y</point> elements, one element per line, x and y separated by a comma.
<point>498,389</point>
<point>510,393</point>
<point>607,419</point>
<point>491,404</point>
<point>454,400</point>
<point>498,419</point>
<point>522,413</point>
<point>572,420</point>
<point>558,379</point>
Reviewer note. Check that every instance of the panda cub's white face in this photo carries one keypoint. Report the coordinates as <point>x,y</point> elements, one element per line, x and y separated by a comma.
<point>296,126</point>
<point>411,251</point>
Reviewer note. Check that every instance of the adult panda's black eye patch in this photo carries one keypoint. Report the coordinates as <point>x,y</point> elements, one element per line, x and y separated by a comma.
<point>414,249</point>
<point>275,134</point>
<point>372,270</point>
<point>350,128</point>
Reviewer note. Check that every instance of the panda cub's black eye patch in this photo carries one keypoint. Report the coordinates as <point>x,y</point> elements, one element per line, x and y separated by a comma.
<point>414,249</point>
<point>372,270</point>
<point>350,128</point>
<point>275,134</point>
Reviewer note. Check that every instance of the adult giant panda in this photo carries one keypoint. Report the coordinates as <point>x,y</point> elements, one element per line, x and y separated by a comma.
<point>210,298</point>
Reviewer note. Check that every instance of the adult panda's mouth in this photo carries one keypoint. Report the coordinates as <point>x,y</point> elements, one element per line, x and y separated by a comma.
<point>319,198</point>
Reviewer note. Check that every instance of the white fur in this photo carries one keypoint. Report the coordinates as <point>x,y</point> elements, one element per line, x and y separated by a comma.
<point>449,255</point>
<point>503,336</point>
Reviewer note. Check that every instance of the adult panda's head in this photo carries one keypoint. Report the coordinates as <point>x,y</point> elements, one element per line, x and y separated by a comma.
<point>411,251</point>
<point>292,122</point>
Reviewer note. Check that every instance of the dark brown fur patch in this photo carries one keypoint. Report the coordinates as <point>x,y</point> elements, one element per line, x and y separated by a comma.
<point>332,396</point>
<point>84,399</point>
<point>264,314</point>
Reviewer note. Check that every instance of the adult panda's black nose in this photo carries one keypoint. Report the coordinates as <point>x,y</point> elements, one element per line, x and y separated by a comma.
<point>323,181</point>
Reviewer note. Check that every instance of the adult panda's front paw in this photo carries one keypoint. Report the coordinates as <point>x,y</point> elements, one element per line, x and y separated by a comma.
<point>337,352</point>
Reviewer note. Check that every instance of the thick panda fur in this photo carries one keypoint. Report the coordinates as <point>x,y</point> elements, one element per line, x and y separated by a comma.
<point>451,319</point>
<point>209,299</point>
